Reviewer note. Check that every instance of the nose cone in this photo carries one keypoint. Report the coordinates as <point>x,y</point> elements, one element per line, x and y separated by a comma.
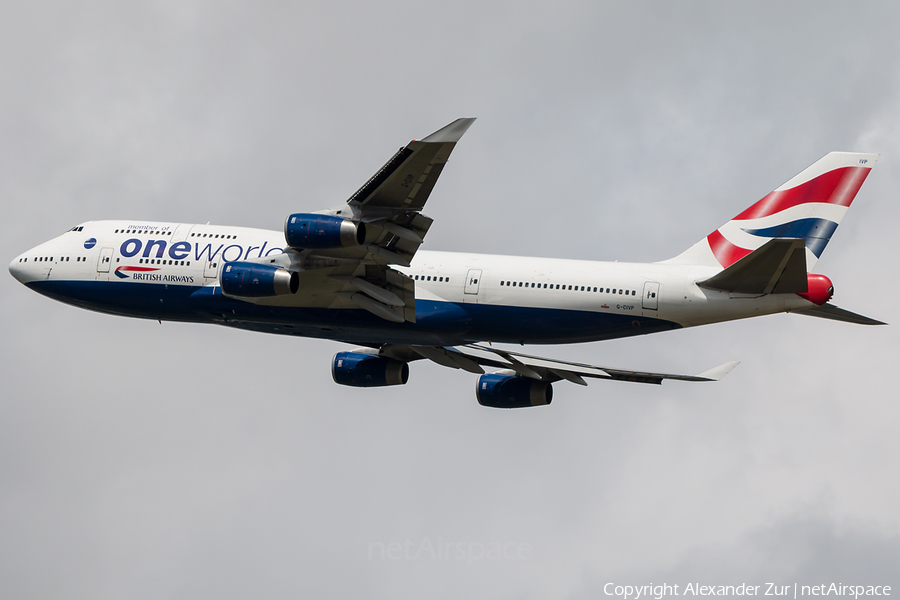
<point>17,270</point>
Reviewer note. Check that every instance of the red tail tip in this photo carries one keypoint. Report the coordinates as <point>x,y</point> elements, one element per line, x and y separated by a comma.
<point>820,289</point>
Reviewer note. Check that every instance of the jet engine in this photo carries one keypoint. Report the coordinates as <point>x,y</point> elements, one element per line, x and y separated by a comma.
<point>254,280</point>
<point>311,231</point>
<point>368,370</point>
<point>498,390</point>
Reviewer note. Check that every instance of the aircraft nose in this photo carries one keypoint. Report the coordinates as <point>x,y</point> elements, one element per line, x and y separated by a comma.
<point>17,269</point>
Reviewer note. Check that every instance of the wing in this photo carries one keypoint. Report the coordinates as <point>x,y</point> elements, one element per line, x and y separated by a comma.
<point>390,202</point>
<point>473,357</point>
<point>406,180</point>
<point>388,207</point>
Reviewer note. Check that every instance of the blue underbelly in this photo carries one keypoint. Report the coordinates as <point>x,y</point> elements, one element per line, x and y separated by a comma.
<point>437,323</point>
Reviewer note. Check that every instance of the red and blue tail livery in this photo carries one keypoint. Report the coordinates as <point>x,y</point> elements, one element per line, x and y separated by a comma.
<point>809,207</point>
<point>355,273</point>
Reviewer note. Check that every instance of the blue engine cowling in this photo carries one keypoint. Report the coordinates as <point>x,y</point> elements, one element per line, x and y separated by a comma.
<point>512,391</point>
<point>368,370</point>
<point>304,230</point>
<point>254,280</point>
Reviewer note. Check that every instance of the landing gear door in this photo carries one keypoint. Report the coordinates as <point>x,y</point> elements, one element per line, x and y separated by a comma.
<point>472,280</point>
<point>105,259</point>
<point>651,296</point>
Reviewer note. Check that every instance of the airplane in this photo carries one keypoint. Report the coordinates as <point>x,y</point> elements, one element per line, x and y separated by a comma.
<point>355,274</point>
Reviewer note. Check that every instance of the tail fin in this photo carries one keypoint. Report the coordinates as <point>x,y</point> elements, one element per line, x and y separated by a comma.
<point>810,206</point>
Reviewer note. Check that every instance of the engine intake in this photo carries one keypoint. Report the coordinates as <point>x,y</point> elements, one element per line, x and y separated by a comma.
<point>310,231</point>
<point>368,370</point>
<point>497,390</point>
<point>254,280</point>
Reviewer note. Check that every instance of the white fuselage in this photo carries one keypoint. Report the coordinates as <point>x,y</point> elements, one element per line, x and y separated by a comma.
<point>505,297</point>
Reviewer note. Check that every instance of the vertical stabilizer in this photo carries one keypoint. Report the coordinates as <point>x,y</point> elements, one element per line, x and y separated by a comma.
<point>809,207</point>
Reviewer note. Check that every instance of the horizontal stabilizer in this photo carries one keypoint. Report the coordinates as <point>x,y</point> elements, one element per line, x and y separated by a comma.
<point>777,267</point>
<point>830,311</point>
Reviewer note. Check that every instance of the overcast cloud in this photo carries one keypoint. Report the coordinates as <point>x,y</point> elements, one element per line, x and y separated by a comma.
<point>140,460</point>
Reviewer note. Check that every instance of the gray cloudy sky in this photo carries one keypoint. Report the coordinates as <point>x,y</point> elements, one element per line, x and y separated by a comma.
<point>142,460</point>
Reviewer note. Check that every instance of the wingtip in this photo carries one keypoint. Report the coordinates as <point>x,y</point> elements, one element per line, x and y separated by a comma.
<point>451,133</point>
<point>717,373</point>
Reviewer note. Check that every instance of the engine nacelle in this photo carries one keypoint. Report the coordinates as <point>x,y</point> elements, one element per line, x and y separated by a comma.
<point>304,230</point>
<point>512,391</point>
<point>820,289</point>
<point>368,370</point>
<point>254,280</point>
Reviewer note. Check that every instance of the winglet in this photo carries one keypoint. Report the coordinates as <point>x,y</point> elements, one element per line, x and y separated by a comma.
<point>450,133</point>
<point>717,373</point>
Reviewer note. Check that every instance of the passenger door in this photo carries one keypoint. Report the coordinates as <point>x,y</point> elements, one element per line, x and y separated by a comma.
<point>473,279</point>
<point>105,259</point>
<point>650,300</point>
